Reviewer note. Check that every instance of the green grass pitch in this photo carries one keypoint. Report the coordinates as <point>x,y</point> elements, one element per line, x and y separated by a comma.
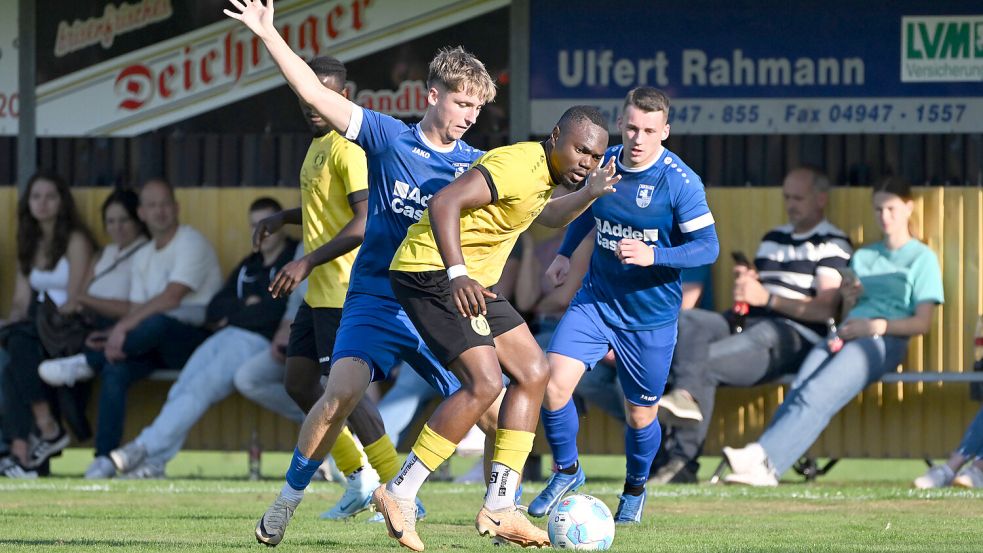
<point>207,505</point>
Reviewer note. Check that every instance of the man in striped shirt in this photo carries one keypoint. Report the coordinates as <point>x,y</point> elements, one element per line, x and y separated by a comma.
<point>791,291</point>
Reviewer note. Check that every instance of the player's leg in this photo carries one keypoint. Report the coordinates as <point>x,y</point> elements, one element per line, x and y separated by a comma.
<point>643,359</point>
<point>347,381</point>
<point>579,342</point>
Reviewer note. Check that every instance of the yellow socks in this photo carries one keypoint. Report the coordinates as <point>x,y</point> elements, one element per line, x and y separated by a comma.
<point>382,457</point>
<point>346,453</point>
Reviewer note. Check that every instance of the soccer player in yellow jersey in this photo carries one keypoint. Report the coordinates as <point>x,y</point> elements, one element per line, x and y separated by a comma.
<point>441,275</point>
<point>333,182</point>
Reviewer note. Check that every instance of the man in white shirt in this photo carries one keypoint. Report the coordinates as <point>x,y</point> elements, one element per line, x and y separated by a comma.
<point>173,279</point>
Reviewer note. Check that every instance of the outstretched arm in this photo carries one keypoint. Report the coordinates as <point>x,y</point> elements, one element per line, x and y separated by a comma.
<point>334,108</point>
<point>559,212</point>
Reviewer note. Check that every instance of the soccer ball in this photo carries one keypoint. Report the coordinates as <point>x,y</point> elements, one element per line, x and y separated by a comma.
<point>583,523</point>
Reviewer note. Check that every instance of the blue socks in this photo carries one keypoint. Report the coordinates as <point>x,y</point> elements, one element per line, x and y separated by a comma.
<point>561,428</point>
<point>641,446</point>
<point>301,470</point>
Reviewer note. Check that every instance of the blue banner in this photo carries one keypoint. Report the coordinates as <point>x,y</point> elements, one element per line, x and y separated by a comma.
<point>765,66</point>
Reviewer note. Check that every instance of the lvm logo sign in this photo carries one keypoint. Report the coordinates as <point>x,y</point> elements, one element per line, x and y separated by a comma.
<point>942,48</point>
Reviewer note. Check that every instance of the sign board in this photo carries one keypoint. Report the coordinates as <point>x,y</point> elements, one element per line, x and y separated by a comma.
<point>766,66</point>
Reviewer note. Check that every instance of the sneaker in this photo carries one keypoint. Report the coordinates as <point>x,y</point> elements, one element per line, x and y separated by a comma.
<point>630,508</point>
<point>969,477</point>
<point>270,528</point>
<point>937,476</point>
<point>678,409</point>
<point>745,459</point>
<point>558,486</point>
<point>510,525</point>
<point>400,517</point>
<point>65,371</point>
<point>11,468</point>
<point>100,468</point>
<point>421,513</point>
<point>148,470</point>
<point>676,471</point>
<point>357,496</point>
<point>44,448</point>
<point>751,467</point>
<point>128,457</point>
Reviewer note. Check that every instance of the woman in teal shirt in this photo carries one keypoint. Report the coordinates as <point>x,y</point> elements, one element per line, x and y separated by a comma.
<point>900,284</point>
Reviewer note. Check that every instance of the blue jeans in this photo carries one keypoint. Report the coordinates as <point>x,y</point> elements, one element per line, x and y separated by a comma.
<point>159,342</point>
<point>826,382</point>
<point>205,380</point>
<point>972,444</point>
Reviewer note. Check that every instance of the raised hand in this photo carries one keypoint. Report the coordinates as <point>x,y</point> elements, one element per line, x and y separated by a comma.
<point>601,181</point>
<point>253,14</point>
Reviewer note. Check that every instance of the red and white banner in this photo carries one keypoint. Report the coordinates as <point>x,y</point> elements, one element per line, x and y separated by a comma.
<point>222,63</point>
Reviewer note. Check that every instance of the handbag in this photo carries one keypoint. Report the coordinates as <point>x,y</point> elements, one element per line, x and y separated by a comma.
<point>64,334</point>
<point>61,334</point>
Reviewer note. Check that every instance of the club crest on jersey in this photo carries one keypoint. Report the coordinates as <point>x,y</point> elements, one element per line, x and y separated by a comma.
<point>319,159</point>
<point>644,196</point>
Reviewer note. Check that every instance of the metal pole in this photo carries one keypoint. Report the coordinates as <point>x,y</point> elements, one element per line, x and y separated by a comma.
<point>520,123</point>
<point>26,81</point>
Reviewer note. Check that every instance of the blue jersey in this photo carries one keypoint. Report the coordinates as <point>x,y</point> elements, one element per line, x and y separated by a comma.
<point>658,205</point>
<point>405,171</point>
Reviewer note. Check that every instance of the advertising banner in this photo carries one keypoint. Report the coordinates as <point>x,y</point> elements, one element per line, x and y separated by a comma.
<point>766,66</point>
<point>123,68</point>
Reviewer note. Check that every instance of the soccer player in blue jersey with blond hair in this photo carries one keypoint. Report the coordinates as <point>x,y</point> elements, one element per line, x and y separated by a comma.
<point>407,164</point>
<point>655,224</point>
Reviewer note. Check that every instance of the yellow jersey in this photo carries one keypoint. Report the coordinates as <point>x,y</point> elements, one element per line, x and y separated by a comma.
<point>332,169</point>
<point>520,182</point>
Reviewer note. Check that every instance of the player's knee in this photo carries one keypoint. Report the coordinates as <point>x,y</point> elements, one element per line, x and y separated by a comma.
<point>486,387</point>
<point>640,417</point>
<point>557,395</point>
<point>302,394</point>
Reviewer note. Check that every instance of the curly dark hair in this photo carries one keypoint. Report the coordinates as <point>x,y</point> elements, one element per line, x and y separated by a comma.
<point>29,229</point>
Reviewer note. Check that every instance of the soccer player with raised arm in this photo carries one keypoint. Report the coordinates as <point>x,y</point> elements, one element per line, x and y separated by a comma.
<point>657,223</point>
<point>441,275</point>
<point>407,164</point>
<point>334,193</point>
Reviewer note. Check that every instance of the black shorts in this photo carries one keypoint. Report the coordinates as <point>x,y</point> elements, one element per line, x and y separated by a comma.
<point>426,298</point>
<point>312,334</point>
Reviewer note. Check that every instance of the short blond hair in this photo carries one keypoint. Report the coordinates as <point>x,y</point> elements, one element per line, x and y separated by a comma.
<point>458,70</point>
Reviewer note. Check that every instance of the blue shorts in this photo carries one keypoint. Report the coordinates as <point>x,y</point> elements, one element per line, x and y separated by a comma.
<point>642,356</point>
<point>376,330</point>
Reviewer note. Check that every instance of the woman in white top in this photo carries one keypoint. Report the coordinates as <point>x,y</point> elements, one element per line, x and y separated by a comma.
<point>54,250</point>
<point>107,288</point>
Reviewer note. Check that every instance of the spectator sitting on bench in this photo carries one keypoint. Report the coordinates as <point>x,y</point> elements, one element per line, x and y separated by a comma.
<point>970,475</point>
<point>54,249</point>
<point>792,292</point>
<point>171,283</point>
<point>107,285</point>
<point>890,298</point>
<point>245,317</point>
